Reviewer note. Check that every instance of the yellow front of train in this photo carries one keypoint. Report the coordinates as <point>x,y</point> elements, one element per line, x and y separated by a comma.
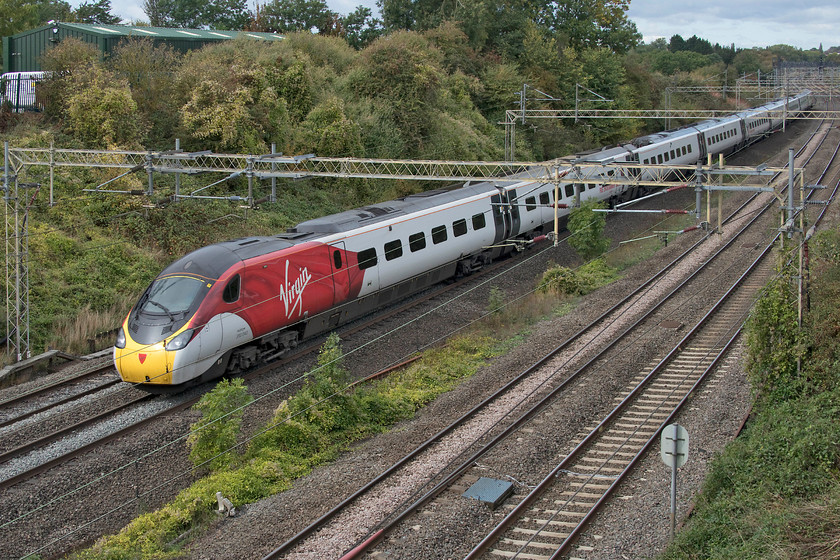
<point>153,344</point>
<point>143,363</point>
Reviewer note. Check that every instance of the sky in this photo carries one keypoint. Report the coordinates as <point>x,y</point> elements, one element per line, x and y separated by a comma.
<point>746,23</point>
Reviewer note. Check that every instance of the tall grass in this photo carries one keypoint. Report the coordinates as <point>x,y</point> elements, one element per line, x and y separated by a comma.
<point>90,330</point>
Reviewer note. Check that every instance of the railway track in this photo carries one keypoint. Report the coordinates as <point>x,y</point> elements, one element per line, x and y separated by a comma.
<point>56,393</point>
<point>458,466</point>
<point>551,516</point>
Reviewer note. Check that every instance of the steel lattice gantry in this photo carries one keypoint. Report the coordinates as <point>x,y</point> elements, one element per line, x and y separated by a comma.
<point>562,171</point>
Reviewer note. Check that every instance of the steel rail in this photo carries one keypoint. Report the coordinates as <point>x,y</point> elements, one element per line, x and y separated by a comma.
<point>57,434</point>
<point>596,432</point>
<point>40,390</point>
<point>55,404</point>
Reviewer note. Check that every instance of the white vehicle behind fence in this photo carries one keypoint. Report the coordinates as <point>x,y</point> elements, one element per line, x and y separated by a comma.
<point>18,90</point>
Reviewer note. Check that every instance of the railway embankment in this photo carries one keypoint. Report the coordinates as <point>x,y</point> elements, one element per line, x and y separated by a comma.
<point>775,491</point>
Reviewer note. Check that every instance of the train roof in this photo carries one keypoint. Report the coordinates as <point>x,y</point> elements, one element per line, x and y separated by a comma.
<point>607,153</point>
<point>358,217</point>
<point>212,261</point>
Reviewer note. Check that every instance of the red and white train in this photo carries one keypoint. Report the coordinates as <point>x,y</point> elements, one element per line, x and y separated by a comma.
<point>226,307</point>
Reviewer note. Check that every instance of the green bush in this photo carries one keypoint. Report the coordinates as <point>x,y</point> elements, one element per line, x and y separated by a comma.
<point>214,435</point>
<point>101,112</point>
<point>775,343</point>
<point>587,230</point>
<point>578,281</point>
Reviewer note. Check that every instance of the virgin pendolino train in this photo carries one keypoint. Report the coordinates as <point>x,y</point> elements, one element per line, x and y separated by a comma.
<point>226,307</point>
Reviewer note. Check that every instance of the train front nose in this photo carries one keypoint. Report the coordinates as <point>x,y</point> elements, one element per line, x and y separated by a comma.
<point>144,363</point>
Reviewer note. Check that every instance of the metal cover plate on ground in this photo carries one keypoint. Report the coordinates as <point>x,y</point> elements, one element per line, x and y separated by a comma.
<point>490,490</point>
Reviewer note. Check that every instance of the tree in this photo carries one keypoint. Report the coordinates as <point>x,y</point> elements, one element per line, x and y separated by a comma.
<point>215,14</point>
<point>96,11</point>
<point>360,28</point>
<point>677,43</point>
<point>296,15</point>
<point>587,229</point>
<point>22,15</point>
<point>591,23</point>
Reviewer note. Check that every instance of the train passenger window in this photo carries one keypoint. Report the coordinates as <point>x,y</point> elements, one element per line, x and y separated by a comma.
<point>479,221</point>
<point>544,200</point>
<point>459,227</point>
<point>570,190</point>
<point>231,291</point>
<point>417,241</point>
<point>337,259</point>
<point>438,234</point>
<point>530,203</point>
<point>393,250</point>
<point>689,148</point>
<point>667,157</point>
<point>673,154</point>
<point>659,159</point>
<point>367,258</point>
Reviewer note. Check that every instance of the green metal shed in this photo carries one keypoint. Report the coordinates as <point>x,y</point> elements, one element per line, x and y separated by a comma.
<point>22,52</point>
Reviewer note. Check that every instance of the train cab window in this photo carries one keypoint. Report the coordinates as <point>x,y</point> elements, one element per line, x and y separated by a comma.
<point>438,234</point>
<point>417,241</point>
<point>531,203</point>
<point>459,227</point>
<point>393,250</point>
<point>544,200</point>
<point>570,190</point>
<point>231,292</point>
<point>479,221</point>
<point>367,258</point>
<point>337,259</point>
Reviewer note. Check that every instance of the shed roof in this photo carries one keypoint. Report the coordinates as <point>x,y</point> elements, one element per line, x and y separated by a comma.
<point>162,32</point>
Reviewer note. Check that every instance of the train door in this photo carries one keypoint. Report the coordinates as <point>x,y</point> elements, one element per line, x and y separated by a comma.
<point>499,217</point>
<point>505,215</point>
<point>514,221</point>
<point>340,271</point>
